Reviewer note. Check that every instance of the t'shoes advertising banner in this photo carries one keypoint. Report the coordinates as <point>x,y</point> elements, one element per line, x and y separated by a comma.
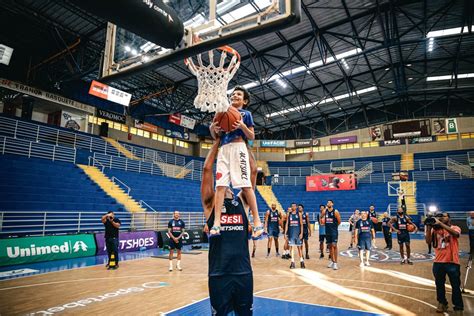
<point>331,182</point>
<point>47,248</point>
<point>132,241</point>
<point>112,94</point>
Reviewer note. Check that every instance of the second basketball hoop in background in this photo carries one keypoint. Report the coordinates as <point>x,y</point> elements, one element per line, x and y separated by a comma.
<point>213,80</point>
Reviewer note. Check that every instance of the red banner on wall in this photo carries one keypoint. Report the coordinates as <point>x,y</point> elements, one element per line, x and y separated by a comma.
<point>331,182</point>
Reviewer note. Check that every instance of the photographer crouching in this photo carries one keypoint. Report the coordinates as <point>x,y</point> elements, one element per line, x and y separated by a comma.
<point>112,225</point>
<point>444,238</point>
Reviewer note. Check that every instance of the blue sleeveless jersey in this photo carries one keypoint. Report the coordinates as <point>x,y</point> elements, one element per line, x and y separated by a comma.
<point>385,222</point>
<point>294,226</point>
<point>229,252</point>
<point>401,223</point>
<point>364,227</point>
<point>331,222</point>
<point>273,220</point>
<point>305,225</point>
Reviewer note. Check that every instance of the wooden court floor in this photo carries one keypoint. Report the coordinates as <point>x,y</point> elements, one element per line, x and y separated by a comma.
<point>145,287</point>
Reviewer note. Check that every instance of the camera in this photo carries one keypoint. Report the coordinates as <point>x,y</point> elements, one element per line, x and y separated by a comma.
<point>430,219</point>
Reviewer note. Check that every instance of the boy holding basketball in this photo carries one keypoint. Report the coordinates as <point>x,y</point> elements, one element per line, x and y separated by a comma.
<point>233,162</point>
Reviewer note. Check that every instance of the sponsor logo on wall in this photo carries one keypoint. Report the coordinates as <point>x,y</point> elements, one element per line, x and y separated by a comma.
<point>15,86</point>
<point>421,140</point>
<point>37,249</point>
<point>112,116</point>
<point>176,134</point>
<point>109,93</point>
<point>273,143</point>
<point>343,140</point>
<point>129,241</point>
<point>307,143</point>
<point>392,142</point>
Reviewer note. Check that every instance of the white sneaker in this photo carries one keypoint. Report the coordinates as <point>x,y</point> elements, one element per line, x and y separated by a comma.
<point>367,264</point>
<point>330,264</point>
<point>179,268</point>
<point>335,267</point>
<point>170,269</point>
<point>361,265</point>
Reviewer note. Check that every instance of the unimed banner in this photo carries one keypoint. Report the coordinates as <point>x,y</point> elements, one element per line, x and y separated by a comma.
<point>129,241</point>
<point>36,249</point>
<point>331,182</point>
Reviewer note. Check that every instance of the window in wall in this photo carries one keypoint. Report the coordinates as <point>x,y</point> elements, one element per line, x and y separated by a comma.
<point>182,144</point>
<point>467,135</point>
<point>452,136</point>
<point>154,136</point>
<point>356,145</point>
<point>124,128</point>
<point>206,146</point>
<point>442,138</point>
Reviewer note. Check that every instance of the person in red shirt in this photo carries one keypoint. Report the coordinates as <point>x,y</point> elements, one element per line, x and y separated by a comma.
<point>444,238</point>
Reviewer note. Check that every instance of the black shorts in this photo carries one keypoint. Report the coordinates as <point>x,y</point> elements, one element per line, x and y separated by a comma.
<point>273,232</point>
<point>322,238</point>
<point>231,293</point>
<point>174,245</point>
<point>305,235</point>
<point>364,244</point>
<point>403,238</point>
<point>332,238</point>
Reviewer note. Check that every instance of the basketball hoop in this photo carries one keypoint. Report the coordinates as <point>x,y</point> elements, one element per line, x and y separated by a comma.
<point>214,80</point>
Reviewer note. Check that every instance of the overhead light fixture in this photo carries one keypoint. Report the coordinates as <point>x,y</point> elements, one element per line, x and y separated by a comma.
<point>450,77</point>
<point>345,64</point>
<point>323,101</point>
<point>390,81</point>
<point>431,44</point>
<point>145,59</point>
<point>447,32</point>
<point>410,78</point>
<point>127,48</point>
<point>300,69</point>
<point>134,52</point>
<point>408,65</point>
<point>387,69</point>
<point>281,82</point>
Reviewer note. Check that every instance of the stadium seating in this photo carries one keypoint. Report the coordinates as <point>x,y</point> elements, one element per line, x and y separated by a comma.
<point>450,195</point>
<point>42,185</point>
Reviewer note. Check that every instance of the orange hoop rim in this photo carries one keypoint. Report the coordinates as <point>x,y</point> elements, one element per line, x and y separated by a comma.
<point>225,48</point>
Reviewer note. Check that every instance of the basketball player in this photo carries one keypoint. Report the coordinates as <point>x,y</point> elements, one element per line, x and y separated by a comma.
<point>322,230</point>
<point>286,246</point>
<point>272,227</point>
<point>332,219</point>
<point>399,224</point>
<point>175,232</point>
<point>233,161</point>
<point>373,218</point>
<point>387,232</point>
<point>364,235</point>
<point>306,230</point>
<point>230,272</point>
<point>352,222</point>
<point>294,234</point>
<point>254,240</point>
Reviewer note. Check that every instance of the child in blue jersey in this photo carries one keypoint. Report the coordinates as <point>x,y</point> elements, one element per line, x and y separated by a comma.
<point>364,236</point>
<point>233,161</point>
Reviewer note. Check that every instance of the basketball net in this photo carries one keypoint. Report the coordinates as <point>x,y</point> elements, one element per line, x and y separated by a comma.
<point>214,80</point>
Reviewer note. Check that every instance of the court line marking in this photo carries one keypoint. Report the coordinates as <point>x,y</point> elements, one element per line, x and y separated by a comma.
<point>174,310</point>
<point>205,274</point>
<point>313,304</point>
<point>355,287</point>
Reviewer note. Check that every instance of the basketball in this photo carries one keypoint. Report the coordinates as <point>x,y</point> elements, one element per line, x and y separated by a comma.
<point>411,228</point>
<point>227,119</point>
<point>374,220</point>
